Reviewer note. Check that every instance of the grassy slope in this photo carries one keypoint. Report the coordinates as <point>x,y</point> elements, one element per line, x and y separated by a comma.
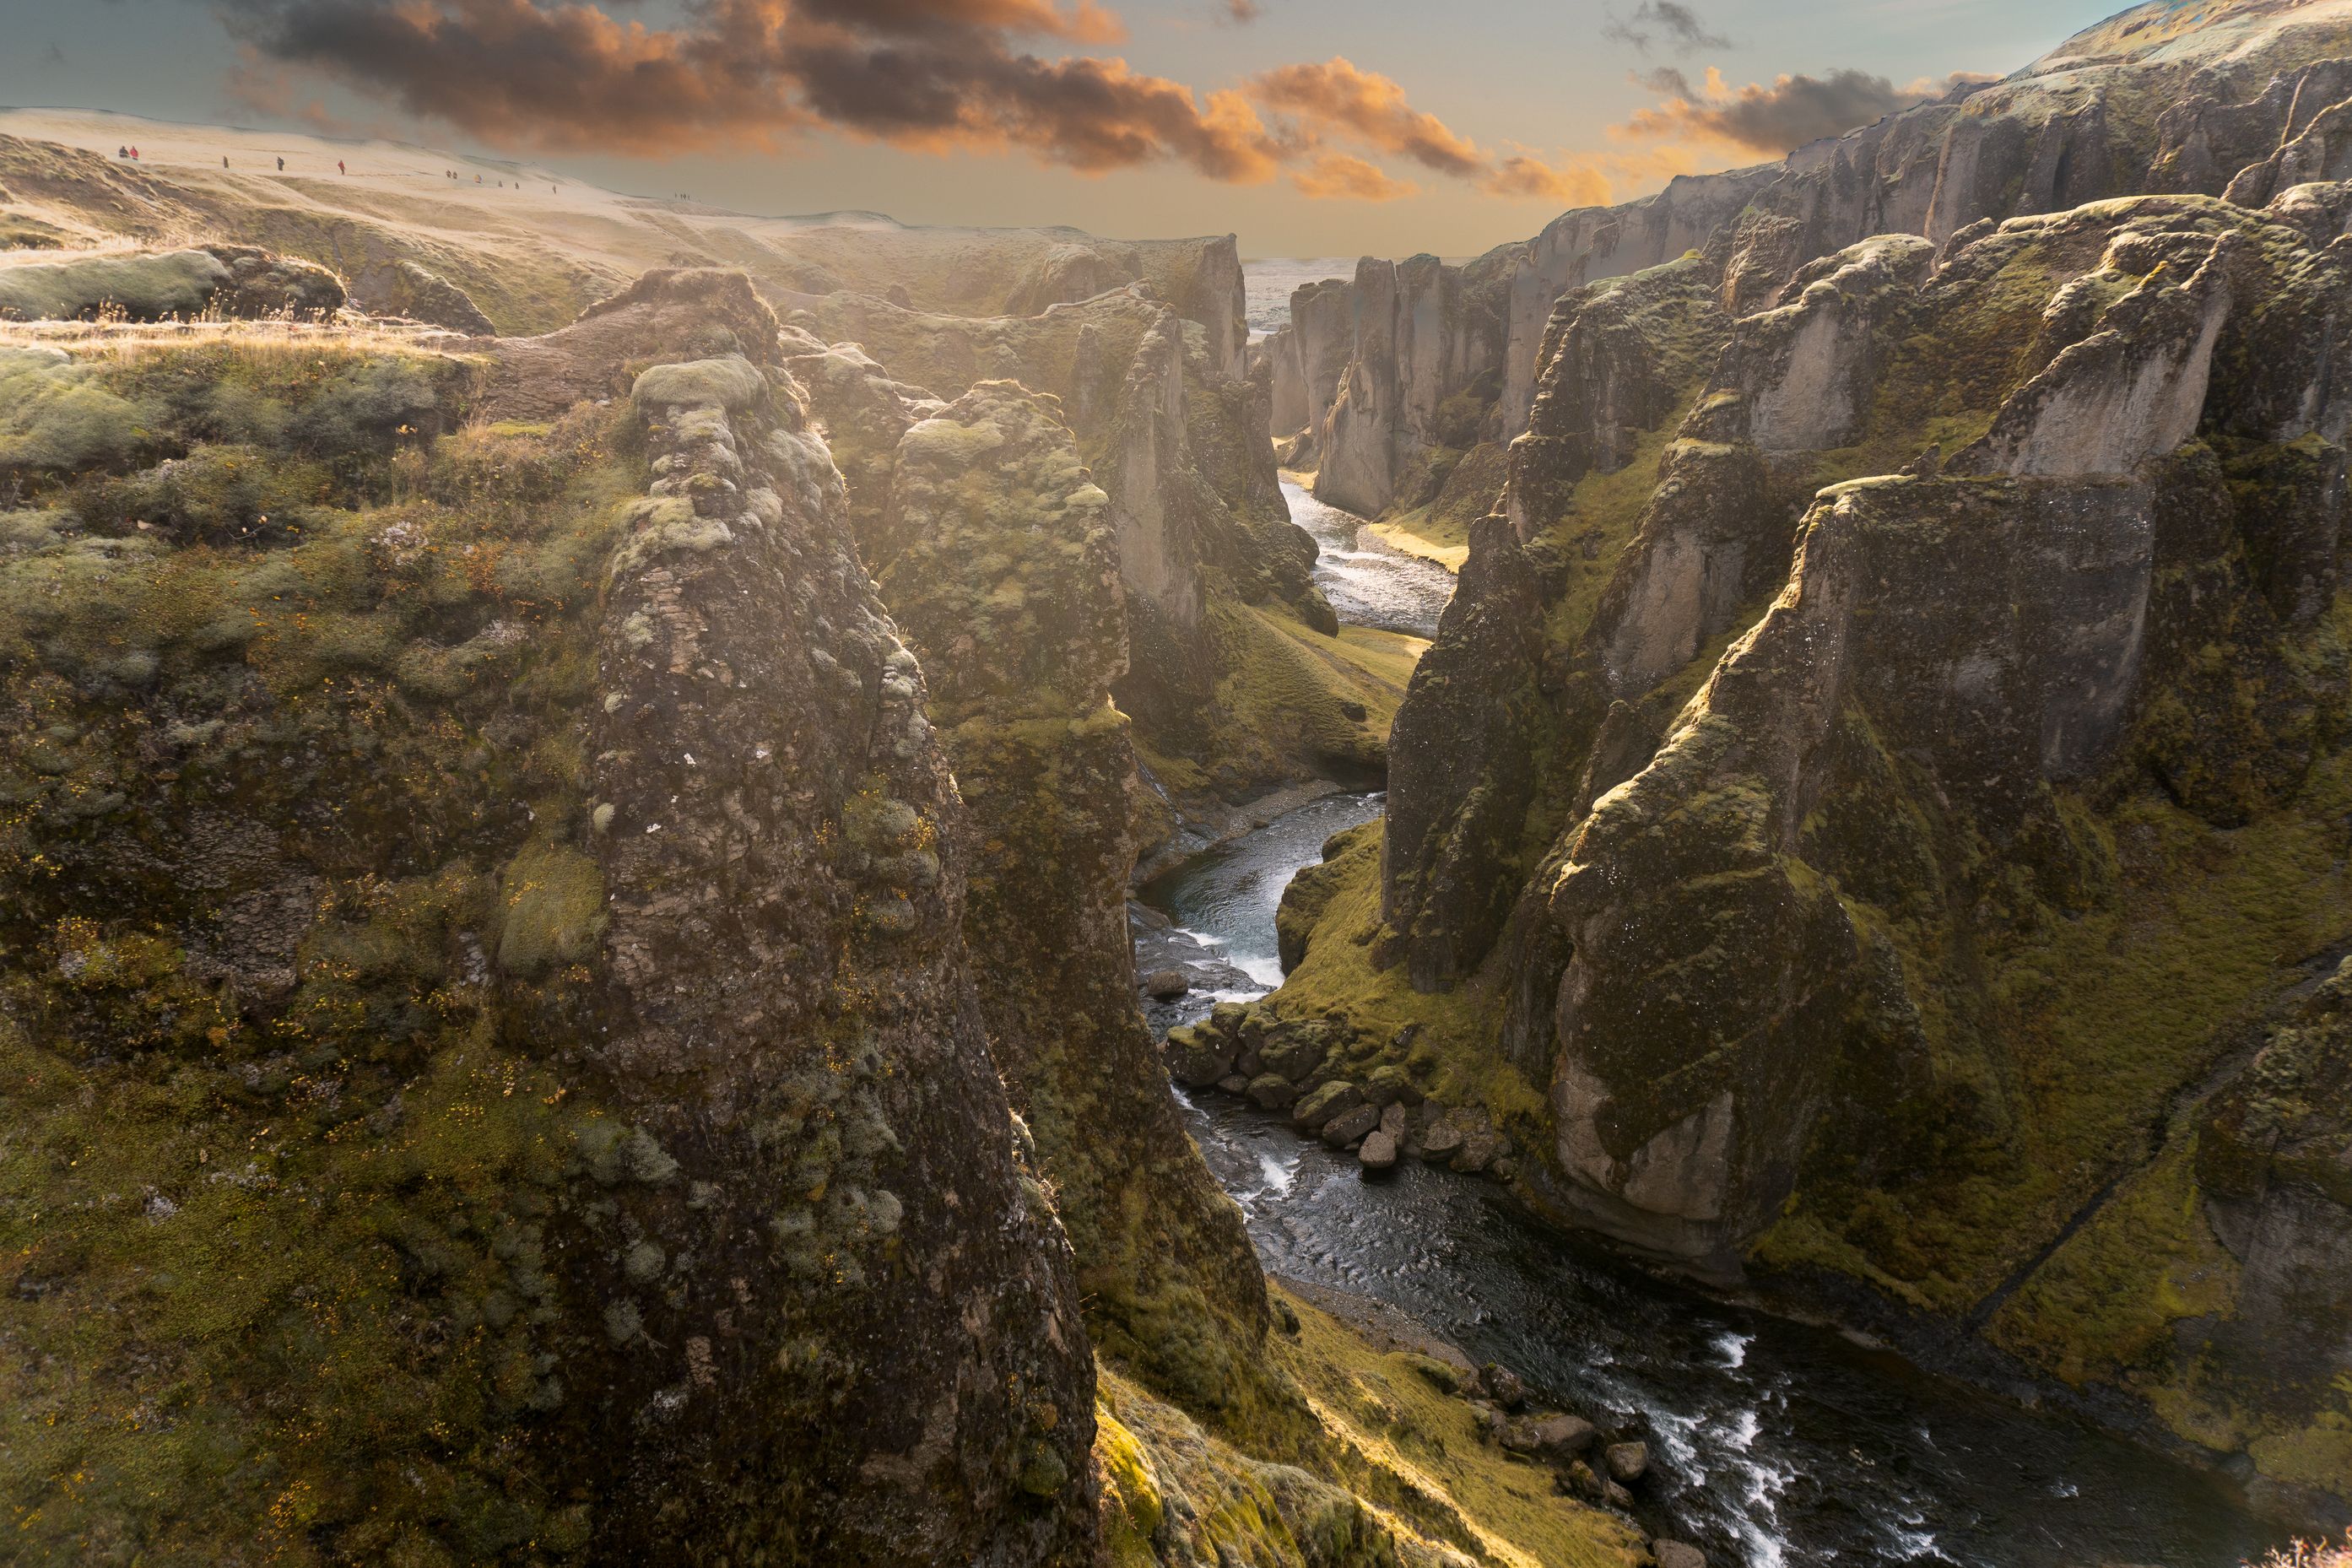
<point>1377,1428</point>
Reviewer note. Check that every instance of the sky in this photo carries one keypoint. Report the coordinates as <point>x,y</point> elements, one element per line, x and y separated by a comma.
<point>1309,128</point>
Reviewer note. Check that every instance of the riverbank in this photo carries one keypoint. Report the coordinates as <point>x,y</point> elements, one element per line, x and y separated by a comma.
<point>1778,1442</point>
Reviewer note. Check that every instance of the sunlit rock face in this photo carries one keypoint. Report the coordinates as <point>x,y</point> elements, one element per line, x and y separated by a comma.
<point>524,852</point>
<point>2134,106</point>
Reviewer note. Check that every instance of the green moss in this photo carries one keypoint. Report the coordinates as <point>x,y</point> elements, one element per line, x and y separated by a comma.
<point>146,288</point>
<point>279,1168</point>
<point>552,899</point>
<point>2107,1300</point>
<point>731,382</point>
<point>1395,1420</point>
<point>1447,1038</point>
<point>1283,700</point>
<point>1604,514</point>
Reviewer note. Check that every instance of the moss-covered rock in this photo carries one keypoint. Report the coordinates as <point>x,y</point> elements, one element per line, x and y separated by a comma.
<point>1868,929</point>
<point>487,1008</point>
<point>1002,565</point>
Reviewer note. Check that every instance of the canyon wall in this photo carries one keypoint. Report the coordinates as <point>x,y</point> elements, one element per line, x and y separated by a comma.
<point>1867,805</point>
<point>2138,104</point>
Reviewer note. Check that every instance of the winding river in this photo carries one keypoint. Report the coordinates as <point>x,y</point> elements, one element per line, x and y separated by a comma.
<point>1780,1442</point>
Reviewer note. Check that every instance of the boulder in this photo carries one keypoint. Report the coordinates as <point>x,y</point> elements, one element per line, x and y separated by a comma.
<point>1379,1153</point>
<point>1319,1106</point>
<point>1628,1462</point>
<point>1390,1084</point>
<point>1441,1140</point>
<point>1677,1554</point>
<point>1233,1083</point>
<point>1295,1050</point>
<point>1271,1091</point>
<point>1504,1383</point>
<point>405,289</point>
<point>1195,1057</point>
<point>1394,1120</point>
<point>1166,985</point>
<point>1479,1147</point>
<point>1344,1130</point>
<point>1555,1437</point>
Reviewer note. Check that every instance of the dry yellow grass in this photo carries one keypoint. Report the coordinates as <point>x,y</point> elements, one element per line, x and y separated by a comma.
<point>2309,1554</point>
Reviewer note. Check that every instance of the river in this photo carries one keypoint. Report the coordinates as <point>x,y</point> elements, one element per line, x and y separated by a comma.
<point>1780,1442</point>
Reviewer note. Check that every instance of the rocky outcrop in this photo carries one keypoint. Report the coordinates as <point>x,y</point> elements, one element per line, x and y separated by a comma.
<point>548,947</point>
<point>1001,559</point>
<point>218,280</point>
<point>1203,533</point>
<point>1617,357</point>
<point>404,288</point>
<point>1462,770</point>
<point>1425,338</point>
<point>1309,355</point>
<point>2246,95</point>
<point>897,1099</point>
<point>1871,735</point>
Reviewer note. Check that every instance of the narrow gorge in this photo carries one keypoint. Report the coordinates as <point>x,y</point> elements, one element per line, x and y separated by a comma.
<point>687,888</point>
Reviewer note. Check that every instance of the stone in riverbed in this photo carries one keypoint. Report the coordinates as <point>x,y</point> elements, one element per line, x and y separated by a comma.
<point>1616,1497</point>
<point>1319,1106</point>
<point>1677,1554</point>
<point>1166,985</point>
<point>1379,1153</point>
<point>1295,1050</point>
<point>1271,1091</point>
<point>1344,1130</point>
<point>1478,1150</point>
<point>1236,1084</point>
<point>1195,1057</point>
<point>1389,1083</point>
<point>1441,1140</point>
<point>1394,1120</point>
<point>1501,1381</point>
<point>1628,1462</point>
<point>1555,1436</point>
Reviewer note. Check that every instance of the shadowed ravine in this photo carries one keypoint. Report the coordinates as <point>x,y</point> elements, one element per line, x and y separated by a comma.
<point>1782,1443</point>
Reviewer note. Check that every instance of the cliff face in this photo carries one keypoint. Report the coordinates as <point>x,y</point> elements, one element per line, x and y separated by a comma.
<point>521,1049</point>
<point>2140,104</point>
<point>473,938</point>
<point>1904,723</point>
<point>1001,563</point>
<point>1221,608</point>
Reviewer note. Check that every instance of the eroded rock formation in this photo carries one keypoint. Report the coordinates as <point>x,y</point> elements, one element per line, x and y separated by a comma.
<point>1889,685</point>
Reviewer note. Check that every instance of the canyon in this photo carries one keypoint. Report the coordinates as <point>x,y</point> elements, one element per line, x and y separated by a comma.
<point>670,883</point>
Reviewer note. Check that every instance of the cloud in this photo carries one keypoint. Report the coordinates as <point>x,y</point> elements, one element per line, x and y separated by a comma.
<point>756,74</point>
<point>937,76</point>
<point>1773,119</point>
<point>1664,25</point>
<point>1338,96</point>
<point>1086,22</point>
<point>1340,176</point>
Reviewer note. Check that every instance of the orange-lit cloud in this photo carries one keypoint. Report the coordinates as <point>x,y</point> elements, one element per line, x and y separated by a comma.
<point>939,76</point>
<point>1338,96</point>
<point>1342,176</point>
